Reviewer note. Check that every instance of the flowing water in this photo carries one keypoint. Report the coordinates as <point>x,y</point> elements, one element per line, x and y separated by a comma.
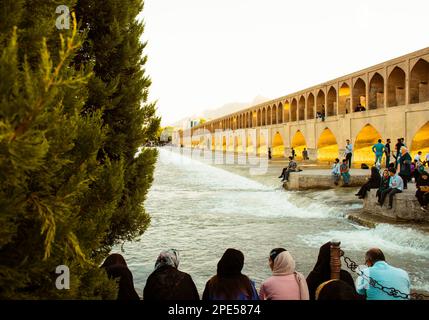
<point>201,210</point>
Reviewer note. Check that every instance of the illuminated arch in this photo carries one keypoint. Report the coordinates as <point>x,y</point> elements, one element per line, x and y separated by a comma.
<point>264,117</point>
<point>327,146</point>
<point>376,92</point>
<point>249,145</point>
<point>320,101</point>
<point>238,144</point>
<point>269,116</point>
<point>223,143</point>
<point>278,149</point>
<point>421,141</point>
<point>362,150</point>
<point>280,113</point>
<point>396,88</point>
<point>344,99</point>
<point>274,115</point>
<point>298,143</point>
<point>262,145</point>
<point>259,118</point>
<point>419,79</point>
<point>286,110</point>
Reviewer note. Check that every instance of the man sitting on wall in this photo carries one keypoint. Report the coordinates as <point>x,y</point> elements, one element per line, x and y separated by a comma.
<point>396,185</point>
<point>290,168</point>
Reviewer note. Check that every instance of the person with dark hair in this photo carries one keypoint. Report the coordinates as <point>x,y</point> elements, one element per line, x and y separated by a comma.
<point>166,282</point>
<point>290,168</point>
<point>285,283</point>
<point>398,147</point>
<point>305,154</point>
<point>405,166</point>
<point>336,174</point>
<point>345,173</point>
<point>229,283</point>
<point>322,271</point>
<point>396,185</point>
<point>384,184</point>
<point>116,268</point>
<point>293,153</point>
<point>387,152</point>
<point>384,274</point>
<point>378,149</point>
<point>269,154</point>
<point>422,192</point>
<point>336,290</point>
<point>349,152</point>
<point>373,182</point>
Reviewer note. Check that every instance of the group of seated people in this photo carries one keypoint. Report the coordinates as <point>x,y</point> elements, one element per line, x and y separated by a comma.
<point>168,283</point>
<point>390,182</point>
<point>341,171</point>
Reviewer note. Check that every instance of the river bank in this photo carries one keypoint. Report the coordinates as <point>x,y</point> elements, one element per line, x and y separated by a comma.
<point>202,209</point>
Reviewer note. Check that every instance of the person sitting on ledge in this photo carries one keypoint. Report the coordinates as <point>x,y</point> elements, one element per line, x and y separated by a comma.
<point>322,271</point>
<point>285,283</point>
<point>422,192</point>
<point>336,171</point>
<point>396,185</point>
<point>168,283</point>
<point>384,184</point>
<point>116,268</point>
<point>229,283</point>
<point>385,275</point>
<point>290,168</point>
<point>305,154</point>
<point>373,183</point>
<point>344,170</point>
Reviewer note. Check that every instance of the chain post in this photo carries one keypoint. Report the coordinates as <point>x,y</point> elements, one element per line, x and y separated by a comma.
<point>335,259</point>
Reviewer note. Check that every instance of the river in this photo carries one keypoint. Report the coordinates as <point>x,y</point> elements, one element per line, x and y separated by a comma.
<point>202,209</point>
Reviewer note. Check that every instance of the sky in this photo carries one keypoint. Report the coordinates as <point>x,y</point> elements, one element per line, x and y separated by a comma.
<point>203,54</point>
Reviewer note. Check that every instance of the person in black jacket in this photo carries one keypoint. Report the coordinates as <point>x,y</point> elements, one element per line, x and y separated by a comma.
<point>117,268</point>
<point>422,192</point>
<point>322,271</point>
<point>168,283</point>
<point>373,183</point>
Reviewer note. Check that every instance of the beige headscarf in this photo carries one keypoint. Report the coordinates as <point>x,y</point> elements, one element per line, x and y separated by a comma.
<point>284,265</point>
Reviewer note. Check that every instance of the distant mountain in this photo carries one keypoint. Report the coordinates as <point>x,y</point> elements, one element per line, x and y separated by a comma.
<point>222,111</point>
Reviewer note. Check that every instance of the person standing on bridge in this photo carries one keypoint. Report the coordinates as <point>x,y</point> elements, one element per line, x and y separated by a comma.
<point>405,166</point>
<point>385,275</point>
<point>387,152</point>
<point>305,154</point>
<point>378,149</point>
<point>348,153</point>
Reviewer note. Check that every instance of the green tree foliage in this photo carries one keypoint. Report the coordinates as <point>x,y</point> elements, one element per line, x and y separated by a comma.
<point>71,184</point>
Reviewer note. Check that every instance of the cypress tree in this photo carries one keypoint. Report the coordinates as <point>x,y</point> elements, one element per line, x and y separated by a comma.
<point>65,196</point>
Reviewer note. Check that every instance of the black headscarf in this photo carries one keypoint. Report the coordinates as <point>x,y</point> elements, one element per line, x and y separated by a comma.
<point>322,271</point>
<point>231,263</point>
<point>375,179</point>
<point>229,283</point>
<point>117,268</point>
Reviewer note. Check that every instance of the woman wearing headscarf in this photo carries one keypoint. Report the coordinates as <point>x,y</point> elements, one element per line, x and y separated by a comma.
<point>373,182</point>
<point>384,185</point>
<point>229,283</point>
<point>168,283</point>
<point>116,268</point>
<point>322,271</point>
<point>285,283</point>
<point>422,192</point>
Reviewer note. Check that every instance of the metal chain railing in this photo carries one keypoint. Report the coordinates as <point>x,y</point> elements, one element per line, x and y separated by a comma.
<point>353,266</point>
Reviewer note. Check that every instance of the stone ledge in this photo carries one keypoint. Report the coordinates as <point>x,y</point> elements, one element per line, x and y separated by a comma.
<point>405,206</point>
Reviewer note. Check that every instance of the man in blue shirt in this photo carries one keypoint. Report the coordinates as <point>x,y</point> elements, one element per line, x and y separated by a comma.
<point>385,275</point>
<point>378,149</point>
<point>348,153</point>
<point>396,185</point>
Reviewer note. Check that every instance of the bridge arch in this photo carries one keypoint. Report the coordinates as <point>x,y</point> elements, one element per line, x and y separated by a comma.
<point>365,139</point>
<point>286,110</point>
<point>419,82</point>
<point>238,144</point>
<point>280,113</point>
<point>274,114</point>
<point>264,117</point>
<point>224,143</point>
<point>420,141</point>
<point>259,118</point>
<point>359,93</point>
<point>278,149</point>
<point>396,88</point>
<point>320,101</point>
<point>293,110</point>
<point>376,92</point>
<point>327,146</point>
<point>301,108</point>
<point>332,102</point>
<point>262,148</point>
<point>298,143</point>
<point>310,106</point>
<point>269,115</point>
<point>344,99</point>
